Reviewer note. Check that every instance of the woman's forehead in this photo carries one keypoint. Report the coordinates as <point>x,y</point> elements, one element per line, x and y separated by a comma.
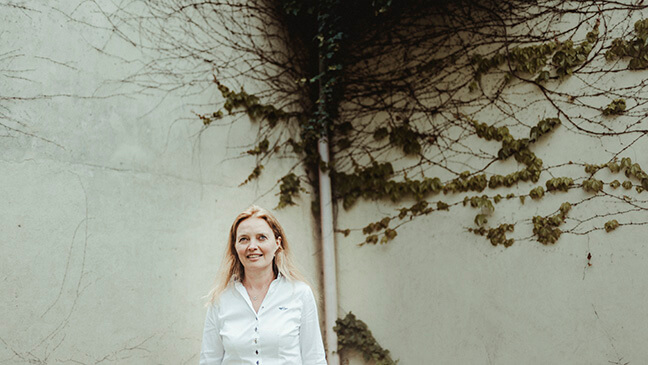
<point>253,225</point>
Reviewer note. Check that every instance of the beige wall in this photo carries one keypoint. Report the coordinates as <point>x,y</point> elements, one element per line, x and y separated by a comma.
<point>438,294</point>
<point>115,209</point>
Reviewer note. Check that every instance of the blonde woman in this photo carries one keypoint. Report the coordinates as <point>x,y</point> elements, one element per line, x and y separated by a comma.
<point>261,310</point>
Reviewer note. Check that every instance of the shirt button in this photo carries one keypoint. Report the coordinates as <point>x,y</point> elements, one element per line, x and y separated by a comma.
<point>255,340</point>
<point>256,352</point>
<point>256,329</point>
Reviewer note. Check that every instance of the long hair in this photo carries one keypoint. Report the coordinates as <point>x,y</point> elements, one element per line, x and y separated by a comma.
<point>232,269</point>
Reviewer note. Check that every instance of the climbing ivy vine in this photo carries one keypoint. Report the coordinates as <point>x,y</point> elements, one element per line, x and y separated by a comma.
<point>542,65</point>
<point>354,334</point>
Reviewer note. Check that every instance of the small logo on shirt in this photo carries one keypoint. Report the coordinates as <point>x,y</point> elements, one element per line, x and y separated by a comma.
<point>282,308</point>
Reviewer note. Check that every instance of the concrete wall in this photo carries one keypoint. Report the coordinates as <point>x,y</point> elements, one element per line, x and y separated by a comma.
<point>115,207</point>
<point>438,294</point>
<point>117,202</point>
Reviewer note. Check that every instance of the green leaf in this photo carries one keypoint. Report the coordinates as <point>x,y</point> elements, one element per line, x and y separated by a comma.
<point>481,220</point>
<point>611,225</point>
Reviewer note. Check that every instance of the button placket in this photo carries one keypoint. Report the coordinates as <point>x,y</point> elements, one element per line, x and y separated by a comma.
<point>256,324</point>
<point>256,338</point>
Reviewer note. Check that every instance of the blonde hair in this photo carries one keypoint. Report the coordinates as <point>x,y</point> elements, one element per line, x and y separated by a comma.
<point>232,269</point>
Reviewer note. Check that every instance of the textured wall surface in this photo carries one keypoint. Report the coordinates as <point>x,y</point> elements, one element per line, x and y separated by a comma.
<point>438,294</point>
<point>461,300</point>
<point>115,209</point>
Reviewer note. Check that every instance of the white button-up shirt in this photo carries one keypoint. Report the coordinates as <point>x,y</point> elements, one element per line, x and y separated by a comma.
<point>285,331</point>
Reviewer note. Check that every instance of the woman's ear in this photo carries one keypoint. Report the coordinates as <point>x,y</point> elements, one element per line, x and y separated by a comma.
<point>278,240</point>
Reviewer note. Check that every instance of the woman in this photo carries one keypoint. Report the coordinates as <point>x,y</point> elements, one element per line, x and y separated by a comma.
<point>261,310</point>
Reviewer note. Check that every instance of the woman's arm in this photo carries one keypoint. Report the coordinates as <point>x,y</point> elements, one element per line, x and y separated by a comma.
<point>310,337</point>
<point>212,351</point>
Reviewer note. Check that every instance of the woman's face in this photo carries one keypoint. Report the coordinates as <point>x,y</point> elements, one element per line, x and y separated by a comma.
<point>256,244</point>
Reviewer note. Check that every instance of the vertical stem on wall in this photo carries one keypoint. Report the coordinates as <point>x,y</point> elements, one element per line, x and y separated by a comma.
<point>328,255</point>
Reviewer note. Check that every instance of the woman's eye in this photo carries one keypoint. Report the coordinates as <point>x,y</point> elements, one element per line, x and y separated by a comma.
<point>262,237</point>
<point>242,239</point>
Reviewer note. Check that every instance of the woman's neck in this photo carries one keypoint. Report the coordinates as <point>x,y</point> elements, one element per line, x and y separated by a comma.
<point>258,280</point>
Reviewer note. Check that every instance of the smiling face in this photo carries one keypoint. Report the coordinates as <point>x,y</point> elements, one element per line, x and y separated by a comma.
<point>256,244</point>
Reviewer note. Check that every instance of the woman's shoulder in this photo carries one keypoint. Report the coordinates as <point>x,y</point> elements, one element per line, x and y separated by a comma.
<point>224,297</point>
<point>295,283</point>
<point>302,287</point>
<point>297,287</point>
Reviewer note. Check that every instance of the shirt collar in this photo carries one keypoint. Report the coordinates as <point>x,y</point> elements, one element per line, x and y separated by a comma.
<point>239,281</point>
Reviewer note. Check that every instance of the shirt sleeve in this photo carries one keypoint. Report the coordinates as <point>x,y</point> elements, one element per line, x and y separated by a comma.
<point>212,351</point>
<point>310,337</point>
